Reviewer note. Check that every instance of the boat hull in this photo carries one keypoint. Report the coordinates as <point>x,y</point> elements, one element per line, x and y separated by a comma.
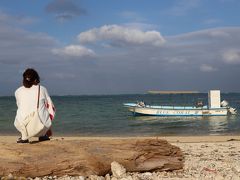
<point>148,111</point>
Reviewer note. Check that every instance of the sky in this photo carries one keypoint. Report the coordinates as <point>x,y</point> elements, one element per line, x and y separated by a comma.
<point>85,47</point>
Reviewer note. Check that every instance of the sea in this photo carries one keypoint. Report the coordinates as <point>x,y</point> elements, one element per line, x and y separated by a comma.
<point>105,116</point>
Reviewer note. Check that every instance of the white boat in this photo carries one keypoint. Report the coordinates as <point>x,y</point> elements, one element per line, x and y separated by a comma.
<point>215,108</point>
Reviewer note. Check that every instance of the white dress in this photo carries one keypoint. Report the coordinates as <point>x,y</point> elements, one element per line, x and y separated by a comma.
<point>26,99</point>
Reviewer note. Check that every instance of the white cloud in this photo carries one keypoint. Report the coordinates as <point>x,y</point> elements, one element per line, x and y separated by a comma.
<point>231,56</point>
<point>20,19</point>
<point>121,35</point>
<point>177,60</point>
<point>73,51</point>
<point>203,35</point>
<point>18,46</point>
<point>207,68</point>
<point>182,7</point>
<point>219,33</point>
<point>140,26</point>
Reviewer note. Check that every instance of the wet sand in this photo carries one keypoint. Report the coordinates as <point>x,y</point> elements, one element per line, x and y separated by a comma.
<point>171,139</point>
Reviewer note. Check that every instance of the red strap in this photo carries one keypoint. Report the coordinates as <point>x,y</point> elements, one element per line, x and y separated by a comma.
<point>38,96</point>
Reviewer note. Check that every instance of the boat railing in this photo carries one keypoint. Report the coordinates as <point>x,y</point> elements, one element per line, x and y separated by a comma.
<point>195,104</point>
<point>174,107</point>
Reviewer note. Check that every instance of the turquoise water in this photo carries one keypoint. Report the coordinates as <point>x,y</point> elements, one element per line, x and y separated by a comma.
<point>106,116</point>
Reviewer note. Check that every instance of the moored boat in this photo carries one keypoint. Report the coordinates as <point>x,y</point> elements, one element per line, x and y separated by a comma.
<point>215,108</point>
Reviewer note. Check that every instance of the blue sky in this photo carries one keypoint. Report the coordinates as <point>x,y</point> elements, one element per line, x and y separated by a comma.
<point>112,47</point>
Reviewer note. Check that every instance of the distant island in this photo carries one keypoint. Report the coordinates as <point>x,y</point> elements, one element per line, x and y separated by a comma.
<point>172,92</point>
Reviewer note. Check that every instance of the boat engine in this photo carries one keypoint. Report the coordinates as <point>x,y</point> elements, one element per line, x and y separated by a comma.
<point>224,103</point>
<point>232,110</point>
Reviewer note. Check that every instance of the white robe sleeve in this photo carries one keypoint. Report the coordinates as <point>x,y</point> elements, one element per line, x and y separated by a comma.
<point>49,105</point>
<point>45,106</point>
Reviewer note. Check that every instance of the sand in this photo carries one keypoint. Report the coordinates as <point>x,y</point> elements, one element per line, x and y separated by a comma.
<point>206,157</point>
<point>171,139</point>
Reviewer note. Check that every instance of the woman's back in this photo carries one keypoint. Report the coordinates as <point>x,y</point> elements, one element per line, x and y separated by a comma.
<point>27,101</point>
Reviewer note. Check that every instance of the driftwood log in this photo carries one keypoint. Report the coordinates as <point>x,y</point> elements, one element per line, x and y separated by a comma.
<point>87,157</point>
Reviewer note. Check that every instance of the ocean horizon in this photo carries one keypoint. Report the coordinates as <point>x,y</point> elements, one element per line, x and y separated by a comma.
<point>105,115</point>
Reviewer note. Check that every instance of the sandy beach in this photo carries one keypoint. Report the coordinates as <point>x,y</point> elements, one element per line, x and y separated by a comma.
<point>205,157</point>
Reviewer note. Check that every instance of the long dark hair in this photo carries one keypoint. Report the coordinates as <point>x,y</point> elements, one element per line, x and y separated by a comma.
<point>30,77</point>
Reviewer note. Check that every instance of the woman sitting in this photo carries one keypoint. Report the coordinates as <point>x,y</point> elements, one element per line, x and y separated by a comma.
<point>29,98</point>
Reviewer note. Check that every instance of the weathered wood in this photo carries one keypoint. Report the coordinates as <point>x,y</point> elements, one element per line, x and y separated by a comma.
<point>87,157</point>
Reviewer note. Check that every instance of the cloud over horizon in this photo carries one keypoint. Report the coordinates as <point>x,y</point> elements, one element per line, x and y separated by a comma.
<point>140,60</point>
<point>19,20</point>
<point>232,56</point>
<point>207,68</point>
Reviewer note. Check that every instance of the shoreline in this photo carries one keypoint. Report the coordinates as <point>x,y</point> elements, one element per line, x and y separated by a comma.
<point>171,139</point>
<point>205,157</point>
